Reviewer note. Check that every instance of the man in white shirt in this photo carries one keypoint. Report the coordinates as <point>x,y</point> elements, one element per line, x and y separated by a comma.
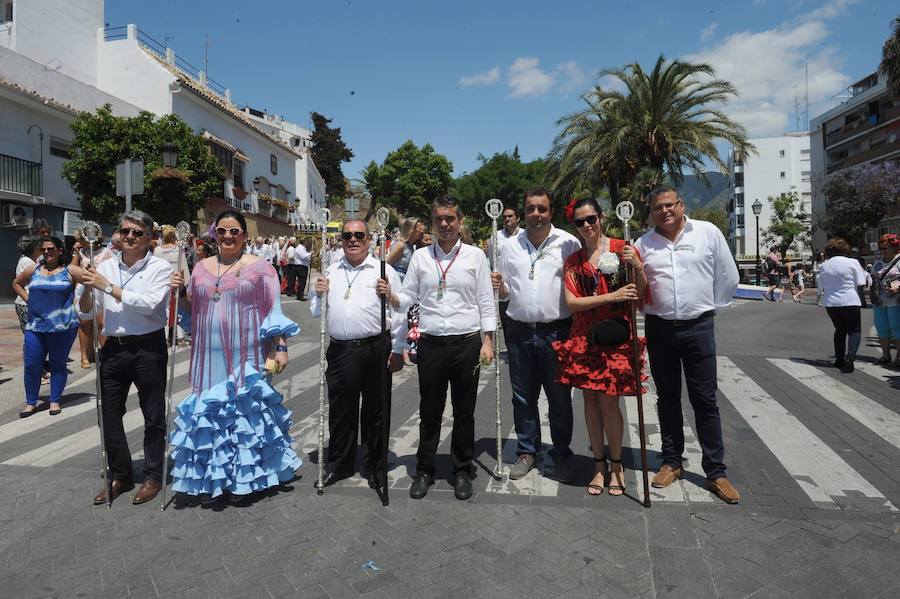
<point>300,259</point>
<point>358,349</point>
<point>692,276</point>
<point>132,291</point>
<point>530,280</point>
<point>510,218</point>
<point>451,282</point>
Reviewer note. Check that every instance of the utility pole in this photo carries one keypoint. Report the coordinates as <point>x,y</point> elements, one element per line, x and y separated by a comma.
<point>206,59</point>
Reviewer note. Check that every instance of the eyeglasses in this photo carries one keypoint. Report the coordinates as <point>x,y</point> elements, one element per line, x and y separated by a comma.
<point>590,219</point>
<point>664,207</point>
<point>137,232</point>
<point>49,249</point>
<point>234,231</point>
<point>348,235</point>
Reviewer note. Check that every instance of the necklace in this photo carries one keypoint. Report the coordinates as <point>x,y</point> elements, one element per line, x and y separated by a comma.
<point>442,272</point>
<point>540,254</point>
<point>123,283</point>
<point>350,283</point>
<point>216,295</point>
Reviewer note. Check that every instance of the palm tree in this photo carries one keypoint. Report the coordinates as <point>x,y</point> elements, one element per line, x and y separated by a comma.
<point>890,60</point>
<point>666,120</point>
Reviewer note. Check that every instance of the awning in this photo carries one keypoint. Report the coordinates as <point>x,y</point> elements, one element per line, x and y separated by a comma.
<point>219,141</point>
<point>242,157</point>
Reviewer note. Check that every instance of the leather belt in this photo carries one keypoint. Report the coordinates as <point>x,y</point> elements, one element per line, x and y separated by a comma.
<point>356,342</point>
<point>539,326</point>
<point>130,339</point>
<point>447,339</point>
<point>682,323</point>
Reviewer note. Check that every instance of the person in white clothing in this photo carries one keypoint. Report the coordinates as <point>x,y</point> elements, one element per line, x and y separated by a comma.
<point>692,276</point>
<point>357,350</point>
<point>530,281</point>
<point>840,277</point>
<point>299,260</point>
<point>451,282</point>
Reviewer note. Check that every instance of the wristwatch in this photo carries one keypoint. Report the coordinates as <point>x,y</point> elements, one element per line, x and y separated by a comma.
<point>108,290</point>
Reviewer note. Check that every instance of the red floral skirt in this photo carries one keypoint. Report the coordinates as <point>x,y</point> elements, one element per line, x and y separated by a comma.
<point>604,369</point>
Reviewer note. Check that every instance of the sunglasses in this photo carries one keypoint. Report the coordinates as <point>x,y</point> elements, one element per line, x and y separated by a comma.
<point>234,231</point>
<point>49,249</point>
<point>348,235</point>
<point>590,219</point>
<point>136,232</point>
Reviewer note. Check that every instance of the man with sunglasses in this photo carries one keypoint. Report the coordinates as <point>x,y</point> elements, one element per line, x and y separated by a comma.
<point>357,350</point>
<point>530,280</point>
<point>132,292</point>
<point>452,284</point>
<point>692,276</point>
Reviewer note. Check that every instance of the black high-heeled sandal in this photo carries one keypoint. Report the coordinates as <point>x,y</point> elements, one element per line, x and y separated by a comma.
<point>612,485</point>
<point>598,487</point>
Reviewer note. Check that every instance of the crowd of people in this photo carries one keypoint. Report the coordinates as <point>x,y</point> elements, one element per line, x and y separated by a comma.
<point>564,309</point>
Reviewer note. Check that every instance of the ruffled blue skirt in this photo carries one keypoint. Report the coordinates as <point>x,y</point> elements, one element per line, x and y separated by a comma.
<point>232,438</point>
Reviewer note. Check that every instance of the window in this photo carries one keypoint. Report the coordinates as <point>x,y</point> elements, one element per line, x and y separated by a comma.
<point>781,153</point>
<point>59,148</point>
<point>6,16</point>
<point>739,179</point>
<point>273,164</point>
<point>782,174</point>
<point>739,200</point>
<point>223,155</point>
<point>238,174</point>
<point>740,221</point>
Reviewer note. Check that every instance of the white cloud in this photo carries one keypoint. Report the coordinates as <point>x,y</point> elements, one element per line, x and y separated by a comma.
<point>766,66</point>
<point>708,32</point>
<point>486,78</point>
<point>527,79</point>
<point>571,76</point>
<point>831,10</point>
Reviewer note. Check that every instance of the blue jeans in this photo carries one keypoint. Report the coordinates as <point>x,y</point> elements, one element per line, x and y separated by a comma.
<point>532,365</point>
<point>693,347</point>
<point>37,346</point>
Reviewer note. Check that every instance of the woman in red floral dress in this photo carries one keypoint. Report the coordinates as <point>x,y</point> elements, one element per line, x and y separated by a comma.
<point>596,291</point>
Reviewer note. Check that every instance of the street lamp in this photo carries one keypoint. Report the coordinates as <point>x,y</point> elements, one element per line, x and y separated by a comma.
<point>757,208</point>
<point>169,154</point>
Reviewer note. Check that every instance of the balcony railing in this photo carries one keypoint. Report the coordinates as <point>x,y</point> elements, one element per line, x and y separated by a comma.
<point>20,176</point>
<point>859,126</point>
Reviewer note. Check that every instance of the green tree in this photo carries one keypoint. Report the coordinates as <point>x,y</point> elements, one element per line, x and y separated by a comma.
<point>408,180</point>
<point>503,176</point>
<point>860,197</point>
<point>101,140</point>
<point>328,152</point>
<point>890,60</point>
<point>789,224</point>
<point>666,119</point>
<point>713,215</point>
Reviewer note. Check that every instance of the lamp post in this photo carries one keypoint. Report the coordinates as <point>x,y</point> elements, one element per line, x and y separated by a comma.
<point>757,208</point>
<point>170,161</point>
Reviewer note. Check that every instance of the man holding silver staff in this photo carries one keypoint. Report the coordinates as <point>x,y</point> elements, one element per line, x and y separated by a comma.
<point>692,276</point>
<point>357,350</point>
<point>452,283</point>
<point>530,280</point>
<point>132,291</point>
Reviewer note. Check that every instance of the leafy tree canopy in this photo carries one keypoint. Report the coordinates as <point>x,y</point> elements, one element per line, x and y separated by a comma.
<point>503,176</point>
<point>890,60</point>
<point>859,198</point>
<point>714,215</point>
<point>101,140</point>
<point>789,226</point>
<point>328,152</point>
<point>409,179</point>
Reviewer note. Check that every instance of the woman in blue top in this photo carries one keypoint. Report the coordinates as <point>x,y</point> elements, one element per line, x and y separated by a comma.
<point>52,323</point>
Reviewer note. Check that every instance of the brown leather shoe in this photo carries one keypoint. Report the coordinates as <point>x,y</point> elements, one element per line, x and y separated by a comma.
<point>666,476</point>
<point>118,487</point>
<point>147,491</point>
<point>723,490</point>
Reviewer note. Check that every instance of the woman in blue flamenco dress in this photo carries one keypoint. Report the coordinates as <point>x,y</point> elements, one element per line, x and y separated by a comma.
<point>231,433</point>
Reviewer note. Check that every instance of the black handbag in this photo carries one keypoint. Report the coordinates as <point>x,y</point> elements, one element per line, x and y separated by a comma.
<point>611,332</point>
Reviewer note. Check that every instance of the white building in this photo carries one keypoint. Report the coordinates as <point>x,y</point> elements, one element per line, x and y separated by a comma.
<point>782,165</point>
<point>863,128</point>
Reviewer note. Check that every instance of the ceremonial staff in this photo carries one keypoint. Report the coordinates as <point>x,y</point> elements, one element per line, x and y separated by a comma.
<point>91,231</point>
<point>494,209</point>
<point>324,215</point>
<point>182,230</point>
<point>625,210</point>
<point>383,216</point>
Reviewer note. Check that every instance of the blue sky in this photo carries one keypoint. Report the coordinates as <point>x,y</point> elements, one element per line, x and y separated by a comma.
<point>483,77</point>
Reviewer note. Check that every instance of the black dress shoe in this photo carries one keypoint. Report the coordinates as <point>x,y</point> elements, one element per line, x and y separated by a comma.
<point>375,480</point>
<point>419,487</point>
<point>27,413</point>
<point>332,477</point>
<point>462,487</point>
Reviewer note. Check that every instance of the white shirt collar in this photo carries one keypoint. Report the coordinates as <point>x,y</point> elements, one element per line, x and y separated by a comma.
<point>140,263</point>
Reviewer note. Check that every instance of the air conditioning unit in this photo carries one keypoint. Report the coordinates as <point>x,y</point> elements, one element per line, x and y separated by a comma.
<point>18,215</point>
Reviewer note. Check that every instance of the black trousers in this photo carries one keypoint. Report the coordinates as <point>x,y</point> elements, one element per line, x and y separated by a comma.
<point>351,373</point>
<point>846,321</point>
<point>290,273</point>
<point>144,364</point>
<point>443,360</point>
<point>302,274</point>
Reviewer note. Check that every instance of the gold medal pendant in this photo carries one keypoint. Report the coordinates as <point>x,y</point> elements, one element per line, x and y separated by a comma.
<point>347,294</point>
<point>531,274</point>
<point>440,290</point>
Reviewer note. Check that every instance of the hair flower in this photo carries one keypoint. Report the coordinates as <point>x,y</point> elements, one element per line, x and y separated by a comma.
<point>570,211</point>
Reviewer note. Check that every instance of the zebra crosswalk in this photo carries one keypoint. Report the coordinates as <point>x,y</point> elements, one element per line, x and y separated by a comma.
<point>815,463</point>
